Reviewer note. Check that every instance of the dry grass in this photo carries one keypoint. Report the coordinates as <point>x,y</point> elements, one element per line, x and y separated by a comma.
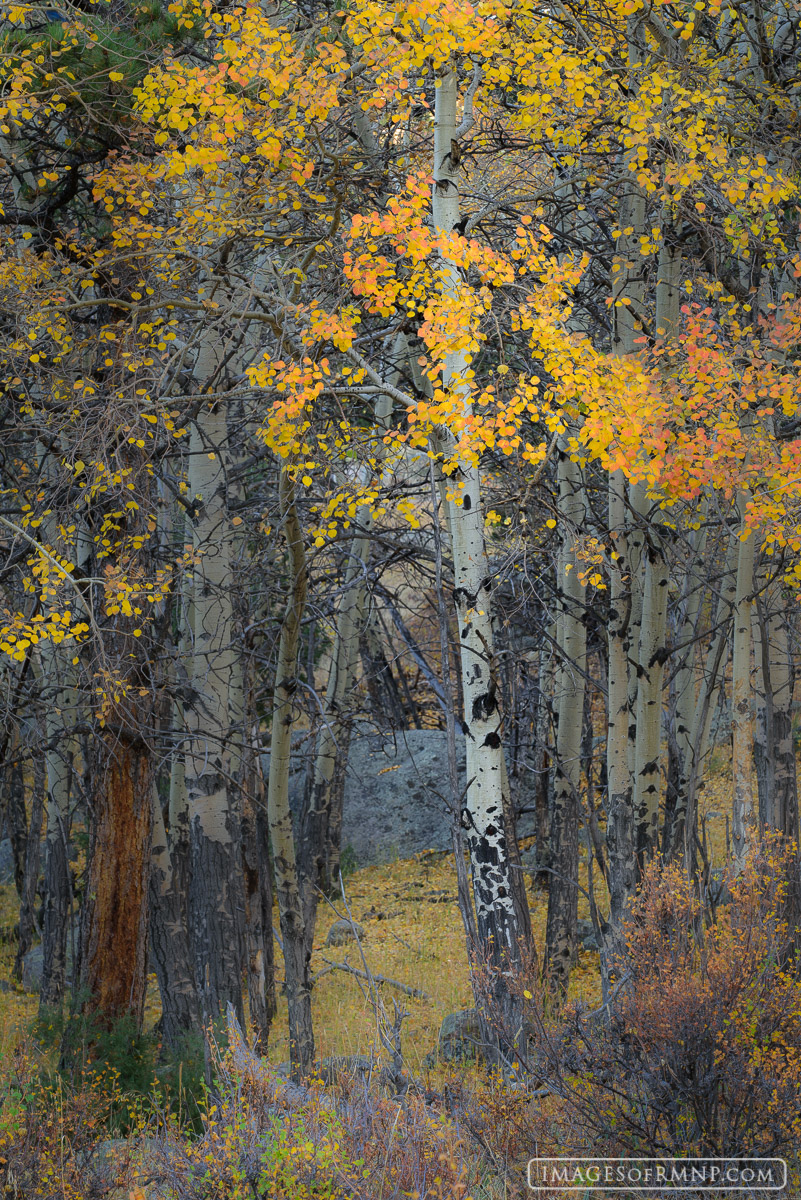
<point>413,933</point>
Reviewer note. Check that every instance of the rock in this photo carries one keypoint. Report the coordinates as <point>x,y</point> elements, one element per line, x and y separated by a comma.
<point>32,969</point>
<point>460,1037</point>
<point>394,803</point>
<point>342,932</point>
<point>33,962</point>
<point>110,1160</point>
<point>343,1066</point>
<point>586,936</point>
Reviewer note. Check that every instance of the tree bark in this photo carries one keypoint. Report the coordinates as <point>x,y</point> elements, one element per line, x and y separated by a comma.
<point>648,713</point>
<point>258,911</point>
<point>16,817</point>
<point>59,720</point>
<point>502,942</point>
<point>27,907</point>
<point>322,818</point>
<point>114,916</point>
<point>773,743</point>
<point>572,638</point>
<point>215,887</point>
<point>619,806</point>
<point>741,699</point>
<point>290,907</point>
<point>169,939</point>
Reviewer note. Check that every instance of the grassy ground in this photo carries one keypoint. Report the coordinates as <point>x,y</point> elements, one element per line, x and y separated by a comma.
<point>412,933</point>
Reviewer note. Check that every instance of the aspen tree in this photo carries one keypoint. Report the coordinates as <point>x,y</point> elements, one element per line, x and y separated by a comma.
<point>287,887</point>
<point>483,818</point>
<point>743,814</point>
<point>570,688</point>
<point>215,885</point>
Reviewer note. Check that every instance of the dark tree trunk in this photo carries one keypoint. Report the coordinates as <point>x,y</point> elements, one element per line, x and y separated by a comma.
<point>562,881</point>
<point>385,699</point>
<point>16,817</point>
<point>258,918</point>
<point>114,922</point>
<point>56,916</point>
<point>169,940</point>
<point>27,907</point>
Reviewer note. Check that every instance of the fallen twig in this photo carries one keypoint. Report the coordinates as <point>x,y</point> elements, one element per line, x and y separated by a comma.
<point>406,988</point>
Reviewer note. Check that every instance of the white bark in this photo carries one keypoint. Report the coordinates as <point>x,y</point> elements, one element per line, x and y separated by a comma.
<point>482,814</point>
<point>619,812</point>
<point>215,886</point>
<point>572,641</point>
<point>741,700</point>
<point>648,712</point>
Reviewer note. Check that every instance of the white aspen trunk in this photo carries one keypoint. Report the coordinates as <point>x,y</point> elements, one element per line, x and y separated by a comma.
<point>546,675</point>
<point>572,642</point>
<point>636,542</point>
<point>774,750</point>
<point>625,583</point>
<point>648,712</point>
<point>619,810</point>
<point>773,736</point>
<point>290,907</point>
<point>169,937</point>
<point>741,700</point>
<point>707,700</point>
<point>483,809</point>
<point>685,698</point>
<point>59,677</point>
<point>215,890</point>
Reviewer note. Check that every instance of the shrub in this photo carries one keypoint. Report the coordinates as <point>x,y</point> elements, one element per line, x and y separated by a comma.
<point>701,1051</point>
<point>50,1134</point>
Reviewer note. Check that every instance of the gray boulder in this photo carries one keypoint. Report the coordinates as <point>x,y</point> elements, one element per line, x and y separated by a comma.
<point>395,801</point>
<point>586,936</point>
<point>32,969</point>
<point>343,1066</point>
<point>460,1037</point>
<point>342,932</point>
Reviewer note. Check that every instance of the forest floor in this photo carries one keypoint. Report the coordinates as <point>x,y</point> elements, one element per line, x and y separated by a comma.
<point>412,933</point>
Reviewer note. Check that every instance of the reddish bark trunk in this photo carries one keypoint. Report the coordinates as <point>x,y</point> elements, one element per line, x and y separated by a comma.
<point>114,921</point>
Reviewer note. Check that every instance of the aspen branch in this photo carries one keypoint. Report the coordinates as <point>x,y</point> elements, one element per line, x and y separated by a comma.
<point>407,989</point>
<point>468,120</point>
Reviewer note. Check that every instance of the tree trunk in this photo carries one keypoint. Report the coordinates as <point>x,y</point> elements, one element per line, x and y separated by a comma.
<point>322,819</point>
<point>169,939</point>
<point>648,713</point>
<point>572,637</point>
<point>59,719</point>
<point>258,911</point>
<point>114,924</point>
<point>27,907</point>
<point>216,902</point>
<point>741,699</point>
<point>773,743</point>
<point>501,940</point>
<point>628,290</point>
<point>16,817</point>
<point>296,954</point>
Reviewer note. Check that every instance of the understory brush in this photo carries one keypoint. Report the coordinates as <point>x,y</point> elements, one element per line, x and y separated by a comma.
<point>697,1053</point>
<point>698,1050</point>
